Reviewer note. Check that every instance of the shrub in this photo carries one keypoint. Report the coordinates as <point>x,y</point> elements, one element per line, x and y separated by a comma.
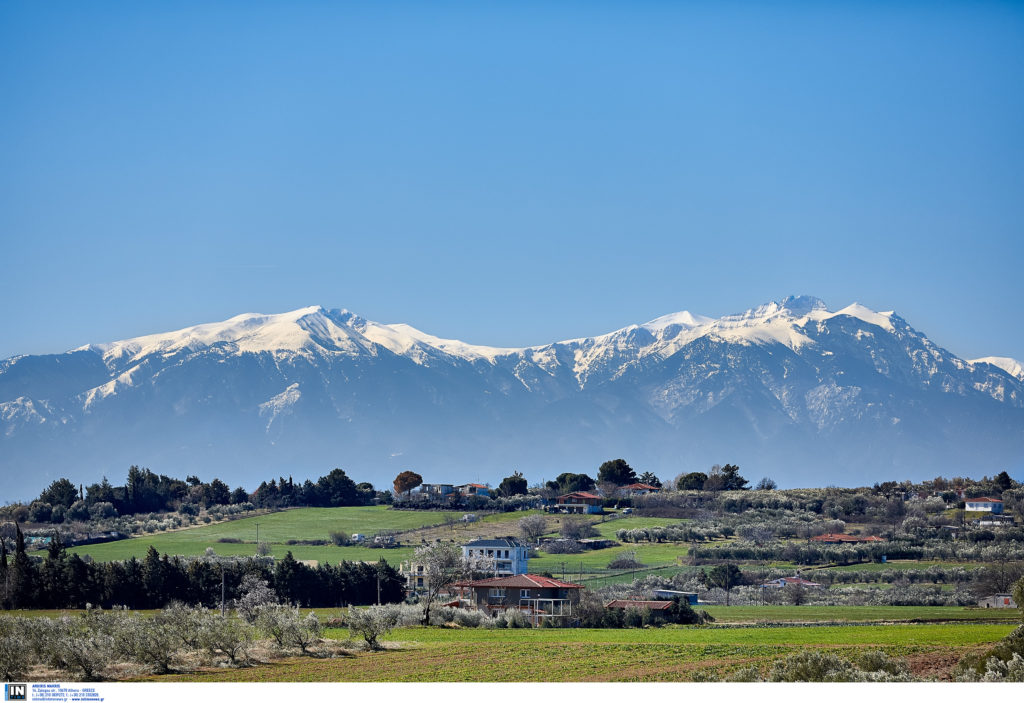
<point>15,655</point>
<point>563,546</point>
<point>102,511</point>
<point>512,618</point>
<point>576,529</point>
<point>190,509</point>
<point>340,539</point>
<point>625,560</point>
<point>40,511</point>
<point>78,511</point>
<point>827,667</point>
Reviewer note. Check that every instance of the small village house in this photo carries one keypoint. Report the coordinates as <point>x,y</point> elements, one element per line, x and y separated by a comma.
<point>538,597</point>
<point>987,505</point>
<point>999,600</point>
<point>634,490</point>
<point>580,502</point>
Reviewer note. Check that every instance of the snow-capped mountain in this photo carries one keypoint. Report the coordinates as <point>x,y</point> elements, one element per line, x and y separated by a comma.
<point>789,389</point>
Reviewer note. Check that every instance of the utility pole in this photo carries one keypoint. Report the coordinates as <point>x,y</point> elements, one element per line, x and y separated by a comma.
<point>378,584</point>
<point>222,590</point>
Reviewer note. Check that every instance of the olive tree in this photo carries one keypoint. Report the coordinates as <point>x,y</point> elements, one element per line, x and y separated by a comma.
<point>372,623</point>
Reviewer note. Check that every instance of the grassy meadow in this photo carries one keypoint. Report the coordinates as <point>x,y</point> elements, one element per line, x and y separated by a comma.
<point>664,654</point>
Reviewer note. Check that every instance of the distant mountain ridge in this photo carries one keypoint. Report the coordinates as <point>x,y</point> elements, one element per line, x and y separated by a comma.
<point>788,389</point>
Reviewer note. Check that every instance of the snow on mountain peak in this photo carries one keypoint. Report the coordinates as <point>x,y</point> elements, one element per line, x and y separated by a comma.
<point>802,305</point>
<point>684,319</point>
<point>1010,366</point>
<point>249,332</point>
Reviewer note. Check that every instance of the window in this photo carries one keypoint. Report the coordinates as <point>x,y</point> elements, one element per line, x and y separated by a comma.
<point>497,593</point>
<point>524,592</point>
<point>419,582</point>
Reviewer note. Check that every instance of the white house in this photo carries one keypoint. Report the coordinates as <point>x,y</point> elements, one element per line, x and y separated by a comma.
<point>999,600</point>
<point>988,505</point>
<point>509,555</point>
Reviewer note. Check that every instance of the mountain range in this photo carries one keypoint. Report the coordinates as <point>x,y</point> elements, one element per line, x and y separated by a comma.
<point>789,390</point>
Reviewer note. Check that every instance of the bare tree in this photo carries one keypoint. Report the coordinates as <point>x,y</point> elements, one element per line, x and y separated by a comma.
<point>533,527</point>
<point>577,529</point>
<point>443,565</point>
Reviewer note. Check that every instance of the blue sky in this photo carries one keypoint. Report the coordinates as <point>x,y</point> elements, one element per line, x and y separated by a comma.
<point>508,173</point>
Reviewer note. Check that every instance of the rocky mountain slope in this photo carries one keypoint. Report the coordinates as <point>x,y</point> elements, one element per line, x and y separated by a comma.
<point>788,389</point>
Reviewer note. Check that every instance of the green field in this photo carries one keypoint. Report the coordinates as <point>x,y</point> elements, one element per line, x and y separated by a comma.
<point>276,529</point>
<point>904,565</point>
<point>853,613</point>
<point>665,654</point>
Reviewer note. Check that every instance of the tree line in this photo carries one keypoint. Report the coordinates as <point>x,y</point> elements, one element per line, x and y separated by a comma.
<point>147,492</point>
<point>63,580</point>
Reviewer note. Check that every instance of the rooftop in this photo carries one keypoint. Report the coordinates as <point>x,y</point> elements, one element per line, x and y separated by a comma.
<point>520,581</point>
<point>495,542</point>
<point>649,604</point>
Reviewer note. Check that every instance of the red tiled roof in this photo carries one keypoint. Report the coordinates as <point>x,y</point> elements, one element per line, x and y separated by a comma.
<point>580,494</point>
<point>475,485</point>
<point>642,486</point>
<point>518,581</point>
<point>983,500</point>
<point>649,604</point>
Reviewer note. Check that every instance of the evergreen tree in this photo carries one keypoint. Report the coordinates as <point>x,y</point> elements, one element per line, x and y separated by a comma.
<point>513,485</point>
<point>650,479</point>
<point>54,580</point>
<point>616,471</point>
<point>24,577</point>
<point>5,599</point>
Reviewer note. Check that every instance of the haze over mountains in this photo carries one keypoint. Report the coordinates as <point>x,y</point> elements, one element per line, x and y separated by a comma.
<point>788,389</point>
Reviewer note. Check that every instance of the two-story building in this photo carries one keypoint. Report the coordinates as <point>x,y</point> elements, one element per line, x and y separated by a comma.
<point>580,502</point>
<point>474,489</point>
<point>435,491</point>
<point>502,556</point>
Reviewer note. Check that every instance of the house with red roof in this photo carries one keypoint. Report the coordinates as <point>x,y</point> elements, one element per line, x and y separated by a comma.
<point>538,597</point>
<point>580,502</point>
<point>988,505</point>
<point>474,489</point>
<point>638,489</point>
